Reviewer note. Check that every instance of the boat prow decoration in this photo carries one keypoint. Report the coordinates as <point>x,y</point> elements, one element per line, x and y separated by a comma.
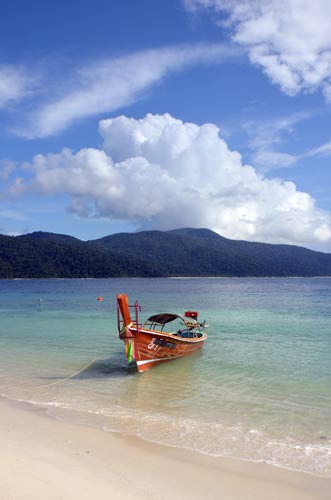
<point>148,344</point>
<point>123,304</point>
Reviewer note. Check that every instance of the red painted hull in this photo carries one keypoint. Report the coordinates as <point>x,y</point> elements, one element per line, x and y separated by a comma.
<point>148,345</point>
<point>150,348</point>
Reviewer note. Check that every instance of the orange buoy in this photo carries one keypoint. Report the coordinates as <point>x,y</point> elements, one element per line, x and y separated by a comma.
<point>100,299</point>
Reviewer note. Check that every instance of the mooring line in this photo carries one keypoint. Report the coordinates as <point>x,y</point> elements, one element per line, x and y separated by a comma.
<point>67,378</point>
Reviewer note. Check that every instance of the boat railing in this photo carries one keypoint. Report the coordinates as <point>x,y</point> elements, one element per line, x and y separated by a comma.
<point>135,322</point>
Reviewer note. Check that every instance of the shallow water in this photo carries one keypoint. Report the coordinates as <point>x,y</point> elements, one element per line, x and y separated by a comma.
<point>259,390</point>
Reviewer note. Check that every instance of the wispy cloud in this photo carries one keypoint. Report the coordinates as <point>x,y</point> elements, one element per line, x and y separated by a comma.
<point>16,83</point>
<point>7,167</point>
<point>323,150</point>
<point>268,139</point>
<point>265,159</point>
<point>265,139</point>
<point>289,39</point>
<point>12,215</point>
<point>110,84</point>
<point>271,159</point>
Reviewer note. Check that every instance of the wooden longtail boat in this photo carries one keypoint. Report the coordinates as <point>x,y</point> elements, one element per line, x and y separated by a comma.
<point>147,344</point>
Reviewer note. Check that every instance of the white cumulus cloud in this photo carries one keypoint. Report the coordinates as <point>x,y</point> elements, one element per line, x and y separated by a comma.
<point>289,39</point>
<point>160,172</point>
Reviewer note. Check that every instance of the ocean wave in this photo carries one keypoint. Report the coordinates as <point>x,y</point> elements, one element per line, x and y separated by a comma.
<point>209,438</point>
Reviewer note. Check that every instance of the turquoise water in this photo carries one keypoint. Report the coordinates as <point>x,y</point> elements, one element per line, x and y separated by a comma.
<point>259,390</point>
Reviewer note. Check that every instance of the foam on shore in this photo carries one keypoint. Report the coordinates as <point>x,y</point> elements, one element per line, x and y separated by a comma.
<point>46,458</point>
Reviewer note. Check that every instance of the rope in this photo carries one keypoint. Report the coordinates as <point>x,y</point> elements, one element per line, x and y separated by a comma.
<point>67,378</point>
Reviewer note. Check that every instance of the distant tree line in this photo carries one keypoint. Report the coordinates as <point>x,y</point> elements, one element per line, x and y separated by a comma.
<point>182,252</point>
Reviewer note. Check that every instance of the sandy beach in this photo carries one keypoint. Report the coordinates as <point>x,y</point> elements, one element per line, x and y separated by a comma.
<point>45,458</point>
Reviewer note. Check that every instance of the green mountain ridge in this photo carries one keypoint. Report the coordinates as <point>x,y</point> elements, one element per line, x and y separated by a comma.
<point>48,255</point>
<point>178,252</point>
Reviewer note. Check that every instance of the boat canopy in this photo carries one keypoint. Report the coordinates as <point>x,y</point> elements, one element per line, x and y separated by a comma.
<point>163,318</point>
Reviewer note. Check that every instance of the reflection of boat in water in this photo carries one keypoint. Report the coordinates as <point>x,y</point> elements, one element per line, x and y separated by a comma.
<point>148,344</point>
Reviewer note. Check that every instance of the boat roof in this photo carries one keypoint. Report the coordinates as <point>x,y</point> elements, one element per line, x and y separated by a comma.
<point>164,318</point>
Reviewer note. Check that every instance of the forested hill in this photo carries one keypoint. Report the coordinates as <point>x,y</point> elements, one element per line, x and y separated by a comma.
<point>181,252</point>
<point>47,255</point>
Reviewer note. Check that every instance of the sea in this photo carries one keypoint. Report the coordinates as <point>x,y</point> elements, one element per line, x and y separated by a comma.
<point>259,390</point>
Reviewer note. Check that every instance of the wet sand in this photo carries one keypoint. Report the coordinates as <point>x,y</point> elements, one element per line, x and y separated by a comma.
<point>45,458</point>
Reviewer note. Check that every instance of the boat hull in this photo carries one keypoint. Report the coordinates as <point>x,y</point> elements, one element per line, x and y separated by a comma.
<point>150,348</point>
<point>148,345</point>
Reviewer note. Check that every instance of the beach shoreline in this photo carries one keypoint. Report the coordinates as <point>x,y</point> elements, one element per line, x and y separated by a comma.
<point>43,457</point>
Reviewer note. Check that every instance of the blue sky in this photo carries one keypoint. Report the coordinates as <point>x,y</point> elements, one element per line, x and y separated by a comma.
<point>124,115</point>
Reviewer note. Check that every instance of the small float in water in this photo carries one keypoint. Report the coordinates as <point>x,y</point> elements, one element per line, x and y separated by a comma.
<point>147,344</point>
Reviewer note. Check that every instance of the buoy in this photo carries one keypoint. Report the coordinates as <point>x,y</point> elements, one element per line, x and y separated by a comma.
<point>100,299</point>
